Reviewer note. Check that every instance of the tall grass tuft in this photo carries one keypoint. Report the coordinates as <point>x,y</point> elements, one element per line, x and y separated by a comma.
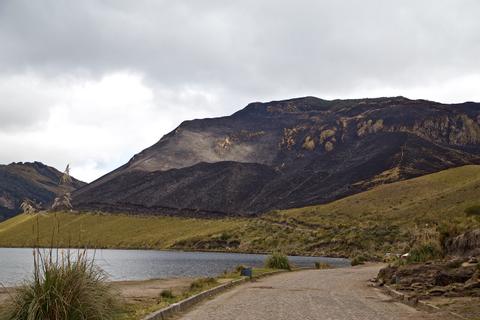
<point>278,261</point>
<point>425,252</point>
<point>426,246</point>
<point>63,286</point>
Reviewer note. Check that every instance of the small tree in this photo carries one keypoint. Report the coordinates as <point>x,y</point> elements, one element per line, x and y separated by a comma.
<point>66,178</point>
<point>63,202</point>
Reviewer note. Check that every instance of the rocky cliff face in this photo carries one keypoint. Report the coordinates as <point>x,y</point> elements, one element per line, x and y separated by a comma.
<point>289,153</point>
<point>34,181</point>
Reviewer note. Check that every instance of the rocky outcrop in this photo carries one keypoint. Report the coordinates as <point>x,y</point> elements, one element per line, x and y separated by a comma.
<point>464,245</point>
<point>293,153</point>
<point>454,278</point>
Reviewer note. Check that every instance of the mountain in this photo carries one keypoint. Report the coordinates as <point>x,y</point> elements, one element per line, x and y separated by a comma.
<point>286,154</point>
<point>30,180</point>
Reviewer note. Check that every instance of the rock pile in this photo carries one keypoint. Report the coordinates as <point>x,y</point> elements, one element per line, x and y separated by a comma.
<point>450,278</point>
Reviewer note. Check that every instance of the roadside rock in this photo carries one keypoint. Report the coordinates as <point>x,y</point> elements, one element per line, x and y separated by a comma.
<point>458,275</point>
<point>474,281</point>
<point>441,278</point>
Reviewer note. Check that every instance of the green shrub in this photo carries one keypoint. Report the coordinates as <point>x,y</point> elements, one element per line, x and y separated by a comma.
<point>322,265</point>
<point>473,210</point>
<point>63,287</point>
<point>425,252</point>
<point>202,283</point>
<point>278,261</point>
<point>167,294</point>
<point>225,236</point>
<point>358,260</point>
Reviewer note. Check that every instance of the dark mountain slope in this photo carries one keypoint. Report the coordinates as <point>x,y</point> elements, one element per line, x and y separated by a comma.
<point>34,181</point>
<point>290,153</point>
<point>197,190</point>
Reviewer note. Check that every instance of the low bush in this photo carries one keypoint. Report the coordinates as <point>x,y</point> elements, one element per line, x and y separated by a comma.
<point>425,252</point>
<point>322,265</point>
<point>225,236</point>
<point>63,287</point>
<point>278,261</point>
<point>358,260</point>
<point>167,294</point>
<point>446,231</point>
<point>473,210</point>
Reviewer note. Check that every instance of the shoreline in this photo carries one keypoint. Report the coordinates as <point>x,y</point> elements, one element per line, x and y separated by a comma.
<point>180,250</point>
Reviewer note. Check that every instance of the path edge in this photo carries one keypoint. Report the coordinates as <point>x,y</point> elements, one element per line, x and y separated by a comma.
<point>187,303</point>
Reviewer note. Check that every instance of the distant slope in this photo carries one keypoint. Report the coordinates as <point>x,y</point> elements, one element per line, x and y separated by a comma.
<point>373,222</point>
<point>31,180</point>
<point>287,154</point>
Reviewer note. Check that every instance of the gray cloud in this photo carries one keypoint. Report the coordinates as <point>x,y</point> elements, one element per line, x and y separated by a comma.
<point>22,105</point>
<point>252,46</point>
<point>209,58</point>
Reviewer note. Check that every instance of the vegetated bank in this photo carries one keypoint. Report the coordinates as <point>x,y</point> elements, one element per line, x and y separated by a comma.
<point>382,220</point>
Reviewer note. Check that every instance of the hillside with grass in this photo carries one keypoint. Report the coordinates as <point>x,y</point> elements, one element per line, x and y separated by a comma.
<point>107,231</point>
<point>383,219</point>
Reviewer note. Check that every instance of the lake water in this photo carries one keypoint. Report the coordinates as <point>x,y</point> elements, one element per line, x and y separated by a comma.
<point>16,264</point>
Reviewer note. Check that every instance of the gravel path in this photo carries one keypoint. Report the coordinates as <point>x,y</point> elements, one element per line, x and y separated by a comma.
<point>336,294</point>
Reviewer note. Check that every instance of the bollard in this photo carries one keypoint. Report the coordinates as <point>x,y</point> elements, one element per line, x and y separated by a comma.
<point>247,272</point>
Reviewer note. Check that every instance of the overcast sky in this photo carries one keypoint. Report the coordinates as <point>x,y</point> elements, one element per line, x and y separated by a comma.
<point>91,83</point>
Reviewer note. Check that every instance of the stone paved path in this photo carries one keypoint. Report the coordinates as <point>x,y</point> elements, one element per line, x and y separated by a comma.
<point>336,294</point>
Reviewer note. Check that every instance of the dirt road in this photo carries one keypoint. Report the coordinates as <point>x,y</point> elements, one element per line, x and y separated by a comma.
<point>336,294</point>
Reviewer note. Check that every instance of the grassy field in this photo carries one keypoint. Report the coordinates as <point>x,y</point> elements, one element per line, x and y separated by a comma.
<point>107,231</point>
<point>370,223</point>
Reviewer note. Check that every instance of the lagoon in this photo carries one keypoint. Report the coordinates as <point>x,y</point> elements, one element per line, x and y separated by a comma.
<point>16,264</point>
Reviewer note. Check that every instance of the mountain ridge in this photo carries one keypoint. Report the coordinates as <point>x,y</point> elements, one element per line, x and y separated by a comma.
<point>293,153</point>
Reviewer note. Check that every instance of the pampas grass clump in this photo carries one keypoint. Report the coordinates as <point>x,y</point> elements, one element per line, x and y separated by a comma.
<point>63,286</point>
